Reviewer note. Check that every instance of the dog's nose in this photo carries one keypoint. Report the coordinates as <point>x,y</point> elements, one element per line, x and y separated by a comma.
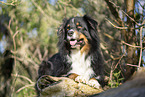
<point>70,33</point>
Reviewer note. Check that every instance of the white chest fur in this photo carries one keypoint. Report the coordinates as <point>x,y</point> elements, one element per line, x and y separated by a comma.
<point>81,65</point>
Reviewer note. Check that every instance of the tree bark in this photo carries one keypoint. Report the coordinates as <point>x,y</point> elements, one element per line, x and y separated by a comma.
<point>49,86</point>
<point>130,38</point>
<point>127,35</point>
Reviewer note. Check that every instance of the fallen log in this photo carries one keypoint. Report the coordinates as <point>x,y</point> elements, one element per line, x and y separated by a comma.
<point>62,86</point>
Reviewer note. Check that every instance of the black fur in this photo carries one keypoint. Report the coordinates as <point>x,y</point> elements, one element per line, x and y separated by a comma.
<point>58,64</point>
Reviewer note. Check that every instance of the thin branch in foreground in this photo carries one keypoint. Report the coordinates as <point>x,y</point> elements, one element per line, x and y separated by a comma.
<point>24,77</point>
<point>132,65</point>
<point>30,85</point>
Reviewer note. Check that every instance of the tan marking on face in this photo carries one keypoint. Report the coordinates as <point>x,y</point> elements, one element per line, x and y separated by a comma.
<point>86,47</point>
<point>77,23</point>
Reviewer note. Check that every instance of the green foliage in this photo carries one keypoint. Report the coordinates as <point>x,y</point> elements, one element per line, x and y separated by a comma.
<point>116,80</point>
<point>27,92</point>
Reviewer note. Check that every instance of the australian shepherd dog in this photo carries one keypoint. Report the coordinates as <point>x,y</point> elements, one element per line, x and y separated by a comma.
<point>79,55</point>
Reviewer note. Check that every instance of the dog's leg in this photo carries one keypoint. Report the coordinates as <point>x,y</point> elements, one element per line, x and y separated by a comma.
<point>72,76</point>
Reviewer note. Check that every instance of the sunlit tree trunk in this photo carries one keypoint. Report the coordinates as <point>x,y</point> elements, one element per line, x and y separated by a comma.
<point>130,38</point>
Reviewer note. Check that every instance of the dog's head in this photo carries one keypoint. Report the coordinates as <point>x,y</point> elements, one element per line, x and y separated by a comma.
<point>78,33</point>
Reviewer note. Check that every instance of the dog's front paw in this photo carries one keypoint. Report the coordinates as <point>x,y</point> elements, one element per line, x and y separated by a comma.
<point>94,83</point>
<point>81,79</point>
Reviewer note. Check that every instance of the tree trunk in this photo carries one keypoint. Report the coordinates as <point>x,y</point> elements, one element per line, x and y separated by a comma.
<point>130,38</point>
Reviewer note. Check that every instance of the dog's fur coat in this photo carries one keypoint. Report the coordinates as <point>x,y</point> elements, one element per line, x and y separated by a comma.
<point>79,55</point>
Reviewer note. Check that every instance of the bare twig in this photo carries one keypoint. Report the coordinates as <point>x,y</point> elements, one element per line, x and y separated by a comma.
<point>45,54</point>
<point>140,45</point>
<point>140,4</point>
<point>13,3</point>
<point>123,42</point>
<point>124,12</point>
<point>14,42</point>
<point>119,61</point>
<point>42,11</point>
<point>24,77</point>
<point>67,4</point>
<point>28,59</point>
<point>115,25</point>
<point>30,85</point>
<point>132,65</point>
<point>107,52</point>
<point>34,54</point>
<point>13,35</point>
<point>39,53</point>
<point>124,28</point>
<point>130,44</point>
<point>9,27</point>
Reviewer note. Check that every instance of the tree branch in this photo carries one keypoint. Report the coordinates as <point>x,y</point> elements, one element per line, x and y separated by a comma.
<point>132,65</point>
<point>114,12</point>
<point>43,12</point>
<point>115,25</point>
<point>140,45</point>
<point>30,85</point>
<point>123,42</point>
<point>24,77</point>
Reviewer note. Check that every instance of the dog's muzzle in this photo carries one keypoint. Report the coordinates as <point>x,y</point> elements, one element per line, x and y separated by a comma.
<point>74,39</point>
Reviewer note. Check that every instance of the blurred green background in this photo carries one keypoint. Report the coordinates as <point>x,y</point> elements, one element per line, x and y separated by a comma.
<point>28,35</point>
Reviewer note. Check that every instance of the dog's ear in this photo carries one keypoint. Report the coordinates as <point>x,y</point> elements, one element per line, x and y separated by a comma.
<point>65,20</point>
<point>92,25</point>
<point>61,30</point>
<point>61,37</point>
<point>91,22</point>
